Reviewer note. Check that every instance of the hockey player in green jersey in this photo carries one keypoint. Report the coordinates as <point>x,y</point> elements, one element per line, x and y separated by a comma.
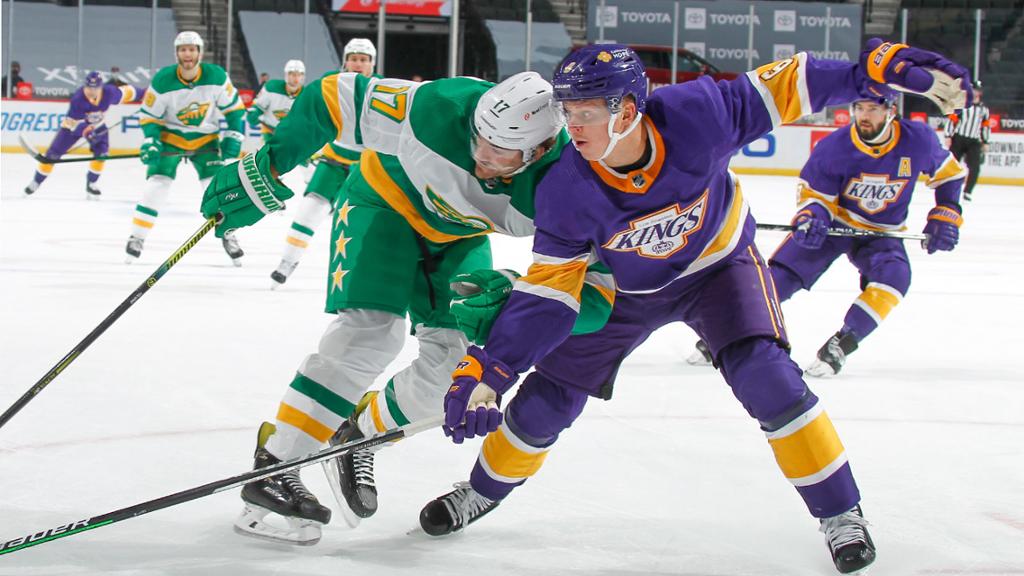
<point>331,171</point>
<point>276,98</point>
<point>446,163</point>
<point>180,116</point>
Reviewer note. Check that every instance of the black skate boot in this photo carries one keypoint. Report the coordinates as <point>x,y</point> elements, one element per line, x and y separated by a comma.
<point>92,191</point>
<point>832,355</point>
<point>849,541</point>
<point>282,494</point>
<point>233,249</point>
<point>701,355</point>
<point>351,475</point>
<point>133,249</point>
<point>284,270</point>
<point>31,188</point>
<point>455,510</point>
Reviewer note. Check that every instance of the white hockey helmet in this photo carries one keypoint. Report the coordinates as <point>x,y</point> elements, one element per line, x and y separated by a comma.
<point>359,46</point>
<point>294,66</point>
<point>188,38</point>
<point>517,114</point>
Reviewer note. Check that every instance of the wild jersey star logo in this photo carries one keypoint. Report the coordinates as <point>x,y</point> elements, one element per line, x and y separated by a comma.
<point>663,233</point>
<point>343,212</point>
<point>337,276</point>
<point>874,192</point>
<point>448,212</point>
<point>341,243</point>
<point>193,114</point>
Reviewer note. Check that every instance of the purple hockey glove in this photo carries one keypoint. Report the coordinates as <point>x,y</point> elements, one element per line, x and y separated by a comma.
<point>917,71</point>
<point>471,406</point>
<point>810,226</point>
<point>942,229</point>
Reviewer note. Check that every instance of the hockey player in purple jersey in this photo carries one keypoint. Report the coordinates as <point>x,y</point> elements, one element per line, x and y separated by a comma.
<point>648,193</point>
<point>85,118</point>
<point>863,178</point>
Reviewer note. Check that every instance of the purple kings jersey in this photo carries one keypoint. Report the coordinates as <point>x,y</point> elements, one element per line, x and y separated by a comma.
<point>85,112</point>
<point>869,187</point>
<point>669,222</point>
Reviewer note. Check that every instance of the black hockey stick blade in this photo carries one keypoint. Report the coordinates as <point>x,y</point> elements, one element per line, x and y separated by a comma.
<point>848,232</point>
<point>70,357</point>
<point>72,528</point>
<point>44,160</point>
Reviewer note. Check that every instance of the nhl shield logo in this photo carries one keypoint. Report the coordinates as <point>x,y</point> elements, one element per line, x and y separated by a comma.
<point>663,233</point>
<point>638,180</point>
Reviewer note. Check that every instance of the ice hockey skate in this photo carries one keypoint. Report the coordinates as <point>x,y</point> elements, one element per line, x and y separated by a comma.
<point>701,355</point>
<point>92,191</point>
<point>31,188</point>
<point>848,541</point>
<point>455,510</point>
<point>133,249</point>
<point>351,475</point>
<point>283,495</point>
<point>280,276</point>
<point>233,249</point>
<point>832,355</point>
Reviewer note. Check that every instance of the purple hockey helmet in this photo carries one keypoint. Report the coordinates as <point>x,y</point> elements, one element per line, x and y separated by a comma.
<point>94,80</point>
<point>609,71</point>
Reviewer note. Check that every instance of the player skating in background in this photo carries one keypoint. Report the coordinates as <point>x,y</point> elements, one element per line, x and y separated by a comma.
<point>331,171</point>
<point>649,194</point>
<point>180,115</point>
<point>276,98</point>
<point>863,178</point>
<point>85,118</point>
<point>446,163</point>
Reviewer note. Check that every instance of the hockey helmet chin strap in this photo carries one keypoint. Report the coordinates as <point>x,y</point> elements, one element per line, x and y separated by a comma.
<point>613,138</point>
<point>889,117</point>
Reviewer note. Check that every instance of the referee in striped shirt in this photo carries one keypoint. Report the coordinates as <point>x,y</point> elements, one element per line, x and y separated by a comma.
<point>967,137</point>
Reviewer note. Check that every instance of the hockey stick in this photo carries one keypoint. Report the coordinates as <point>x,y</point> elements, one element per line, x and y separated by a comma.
<point>44,160</point>
<point>80,526</point>
<point>106,323</point>
<point>848,232</point>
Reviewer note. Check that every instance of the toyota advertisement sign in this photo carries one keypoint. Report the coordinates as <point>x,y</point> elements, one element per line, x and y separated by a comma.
<point>720,31</point>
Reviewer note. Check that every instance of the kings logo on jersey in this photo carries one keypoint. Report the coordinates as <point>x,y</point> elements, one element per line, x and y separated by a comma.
<point>873,192</point>
<point>663,233</point>
<point>193,114</point>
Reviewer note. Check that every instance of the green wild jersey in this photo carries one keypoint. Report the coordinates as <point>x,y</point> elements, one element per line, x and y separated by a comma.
<point>418,156</point>
<point>273,103</point>
<point>187,114</point>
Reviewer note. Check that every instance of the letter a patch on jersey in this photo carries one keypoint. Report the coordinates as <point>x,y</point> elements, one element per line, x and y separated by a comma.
<point>904,167</point>
<point>661,234</point>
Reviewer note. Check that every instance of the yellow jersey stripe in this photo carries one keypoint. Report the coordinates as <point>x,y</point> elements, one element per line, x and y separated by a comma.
<point>950,170</point>
<point>375,175</point>
<point>329,90</point>
<point>567,278</point>
<point>184,143</point>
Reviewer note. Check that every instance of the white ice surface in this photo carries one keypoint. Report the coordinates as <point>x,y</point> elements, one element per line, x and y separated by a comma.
<point>671,477</point>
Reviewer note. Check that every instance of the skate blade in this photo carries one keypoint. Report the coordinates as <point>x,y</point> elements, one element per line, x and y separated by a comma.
<point>130,259</point>
<point>819,370</point>
<point>334,481</point>
<point>697,359</point>
<point>300,532</point>
<point>237,262</point>
<point>92,197</point>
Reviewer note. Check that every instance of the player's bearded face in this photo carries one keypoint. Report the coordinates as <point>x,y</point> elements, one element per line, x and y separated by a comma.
<point>870,119</point>
<point>493,161</point>
<point>188,57</point>
<point>359,63</point>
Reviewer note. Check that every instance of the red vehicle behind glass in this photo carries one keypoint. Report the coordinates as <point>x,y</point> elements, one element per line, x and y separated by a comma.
<point>657,60</point>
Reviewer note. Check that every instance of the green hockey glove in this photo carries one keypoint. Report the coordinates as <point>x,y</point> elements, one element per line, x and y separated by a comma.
<point>479,297</point>
<point>244,192</point>
<point>150,151</point>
